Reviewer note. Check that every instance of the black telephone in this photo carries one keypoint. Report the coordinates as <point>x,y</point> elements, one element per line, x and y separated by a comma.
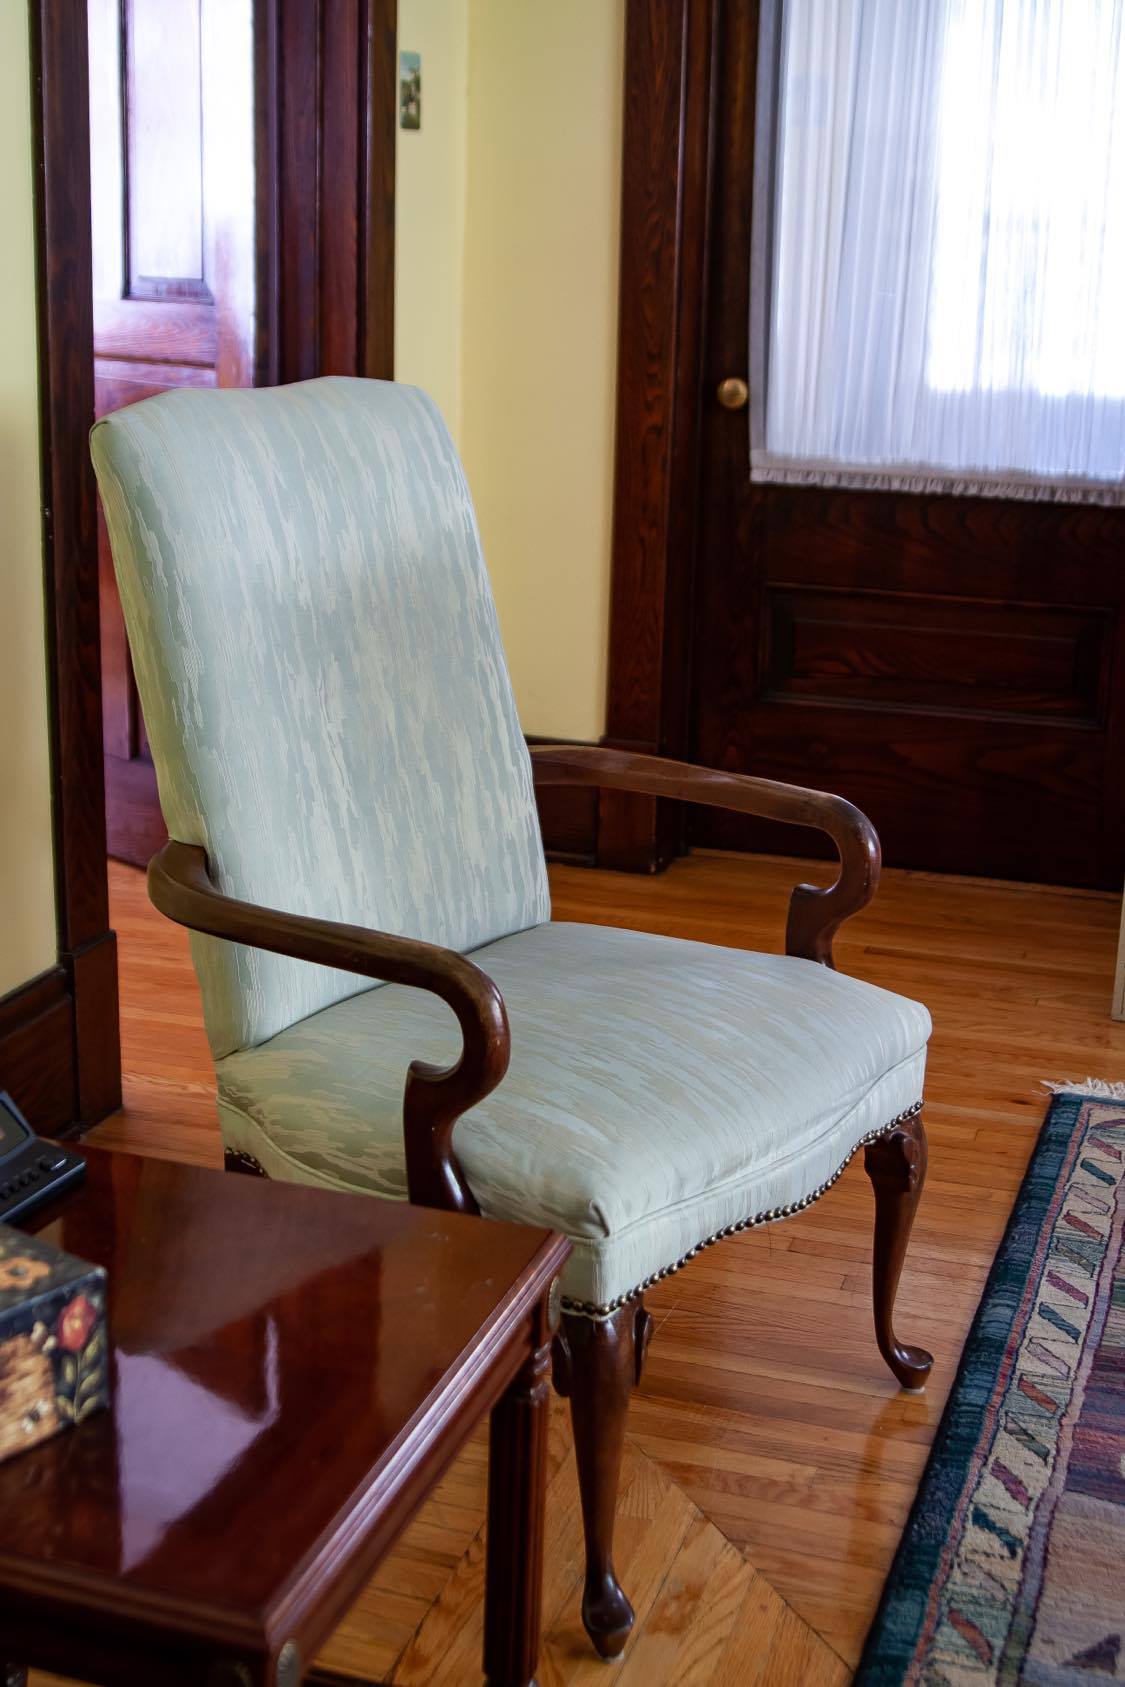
<point>31,1170</point>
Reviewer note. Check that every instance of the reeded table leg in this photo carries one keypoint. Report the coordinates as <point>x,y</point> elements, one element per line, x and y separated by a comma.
<point>517,1484</point>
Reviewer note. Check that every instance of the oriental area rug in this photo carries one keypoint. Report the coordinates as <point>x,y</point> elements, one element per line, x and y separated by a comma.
<point>1012,1565</point>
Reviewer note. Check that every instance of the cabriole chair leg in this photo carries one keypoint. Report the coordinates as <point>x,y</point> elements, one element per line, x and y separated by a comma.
<point>602,1367</point>
<point>896,1165</point>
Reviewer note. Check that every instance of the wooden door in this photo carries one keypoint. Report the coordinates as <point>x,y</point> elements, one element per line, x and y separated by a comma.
<point>955,666</point>
<point>172,214</point>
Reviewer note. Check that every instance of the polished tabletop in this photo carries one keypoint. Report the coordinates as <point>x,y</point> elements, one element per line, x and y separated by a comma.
<point>278,1352</point>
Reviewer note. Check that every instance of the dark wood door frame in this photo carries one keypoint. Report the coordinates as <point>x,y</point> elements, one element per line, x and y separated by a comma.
<point>327,109</point>
<point>80,1037</point>
<point>327,120</point>
<point>667,170</point>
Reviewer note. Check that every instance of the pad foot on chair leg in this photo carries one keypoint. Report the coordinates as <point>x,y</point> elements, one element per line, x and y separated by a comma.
<point>607,1615</point>
<point>911,1367</point>
<point>896,1165</point>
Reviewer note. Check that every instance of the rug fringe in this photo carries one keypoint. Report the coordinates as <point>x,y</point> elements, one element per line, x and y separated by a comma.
<point>1087,1086</point>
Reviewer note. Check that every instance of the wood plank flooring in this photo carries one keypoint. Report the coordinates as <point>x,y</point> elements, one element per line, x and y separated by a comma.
<point>772,1460</point>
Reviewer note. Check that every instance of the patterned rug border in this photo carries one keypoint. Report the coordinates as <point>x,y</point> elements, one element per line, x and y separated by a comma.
<point>893,1637</point>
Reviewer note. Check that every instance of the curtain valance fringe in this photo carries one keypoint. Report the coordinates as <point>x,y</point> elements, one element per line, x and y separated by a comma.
<point>954,486</point>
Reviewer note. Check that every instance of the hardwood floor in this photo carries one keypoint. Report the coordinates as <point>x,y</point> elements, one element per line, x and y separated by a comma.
<point>772,1460</point>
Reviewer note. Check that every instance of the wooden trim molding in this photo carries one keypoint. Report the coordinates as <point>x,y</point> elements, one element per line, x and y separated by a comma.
<point>86,945</point>
<point>665,207</point>
<point>326,129</point>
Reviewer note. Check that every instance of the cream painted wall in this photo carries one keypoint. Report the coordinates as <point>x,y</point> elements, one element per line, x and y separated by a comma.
<point>507,233</point>
<point>430,206</point>
<point>27,898</point>
<point>539,337</point>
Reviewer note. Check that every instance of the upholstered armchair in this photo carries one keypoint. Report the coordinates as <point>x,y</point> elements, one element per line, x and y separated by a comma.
<point>356,851</point>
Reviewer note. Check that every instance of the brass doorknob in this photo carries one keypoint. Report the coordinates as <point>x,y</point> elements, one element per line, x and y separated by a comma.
<point>733,393</point>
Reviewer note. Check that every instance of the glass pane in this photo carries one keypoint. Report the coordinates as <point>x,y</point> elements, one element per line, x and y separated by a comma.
<point>165,146</point>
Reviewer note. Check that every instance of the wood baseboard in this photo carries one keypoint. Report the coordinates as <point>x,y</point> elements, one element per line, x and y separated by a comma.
<point>59,1041</point>
<point>584,827</point>
<point>638,834</point>
<point>37,1051</point>
<point>568,817</point>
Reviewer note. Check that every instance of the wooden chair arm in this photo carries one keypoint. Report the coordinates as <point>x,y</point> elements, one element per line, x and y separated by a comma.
<point>814,915</point>
<point>180,886</point>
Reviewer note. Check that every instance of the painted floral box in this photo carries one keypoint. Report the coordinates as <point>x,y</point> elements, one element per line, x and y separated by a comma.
<point>54,1353</point>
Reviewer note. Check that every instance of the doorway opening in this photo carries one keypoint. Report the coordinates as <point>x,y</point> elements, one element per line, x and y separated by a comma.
<point>188,235</point>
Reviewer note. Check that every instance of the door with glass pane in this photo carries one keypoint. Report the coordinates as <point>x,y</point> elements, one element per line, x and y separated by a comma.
<point>917,600</point>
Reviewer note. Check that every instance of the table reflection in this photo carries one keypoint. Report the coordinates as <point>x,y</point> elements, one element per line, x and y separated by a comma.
<point>177,1440</point>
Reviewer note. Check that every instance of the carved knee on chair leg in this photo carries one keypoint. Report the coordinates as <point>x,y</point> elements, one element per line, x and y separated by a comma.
<point>896,1165</point>
<point>602,1368</point>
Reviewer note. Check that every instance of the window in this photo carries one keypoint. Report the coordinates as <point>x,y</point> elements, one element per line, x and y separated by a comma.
<point>940,228</point>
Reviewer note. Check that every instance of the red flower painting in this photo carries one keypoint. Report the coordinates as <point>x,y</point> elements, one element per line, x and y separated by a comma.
<point>76,1320</point>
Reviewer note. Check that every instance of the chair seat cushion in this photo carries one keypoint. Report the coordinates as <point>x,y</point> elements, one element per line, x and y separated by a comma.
<point>660,1092</point>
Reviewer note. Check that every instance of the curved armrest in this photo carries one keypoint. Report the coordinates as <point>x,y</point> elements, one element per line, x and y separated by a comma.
<point>179,885</point>
<point>814,915</point>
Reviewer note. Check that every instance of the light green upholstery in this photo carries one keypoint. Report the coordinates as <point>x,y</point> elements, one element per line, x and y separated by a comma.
<point>659,1091</point>
<point>331,719</point>
<point>321,674</point>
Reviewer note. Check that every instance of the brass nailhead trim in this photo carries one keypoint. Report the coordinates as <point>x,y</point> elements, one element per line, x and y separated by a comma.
<point>590,1309</point>
<point>242,1158</point>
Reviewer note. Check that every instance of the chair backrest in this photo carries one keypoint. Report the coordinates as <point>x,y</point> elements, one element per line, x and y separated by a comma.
<point>320,668</point>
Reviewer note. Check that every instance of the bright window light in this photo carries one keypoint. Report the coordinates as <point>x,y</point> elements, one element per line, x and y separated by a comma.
<point>1029,254</point>
<point>940,224</point>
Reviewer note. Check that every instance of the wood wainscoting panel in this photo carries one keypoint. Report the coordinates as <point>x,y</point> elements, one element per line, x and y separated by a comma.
<point>37,1066</point>
<point>956,666</point>
<point>568,819</point>
<point>975,799</point>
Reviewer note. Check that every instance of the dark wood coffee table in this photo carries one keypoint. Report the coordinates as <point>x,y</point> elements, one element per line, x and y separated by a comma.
<point>293,1370</point>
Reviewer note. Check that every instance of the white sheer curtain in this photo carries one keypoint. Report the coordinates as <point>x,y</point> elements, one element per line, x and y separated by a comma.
<point>939,264</point>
